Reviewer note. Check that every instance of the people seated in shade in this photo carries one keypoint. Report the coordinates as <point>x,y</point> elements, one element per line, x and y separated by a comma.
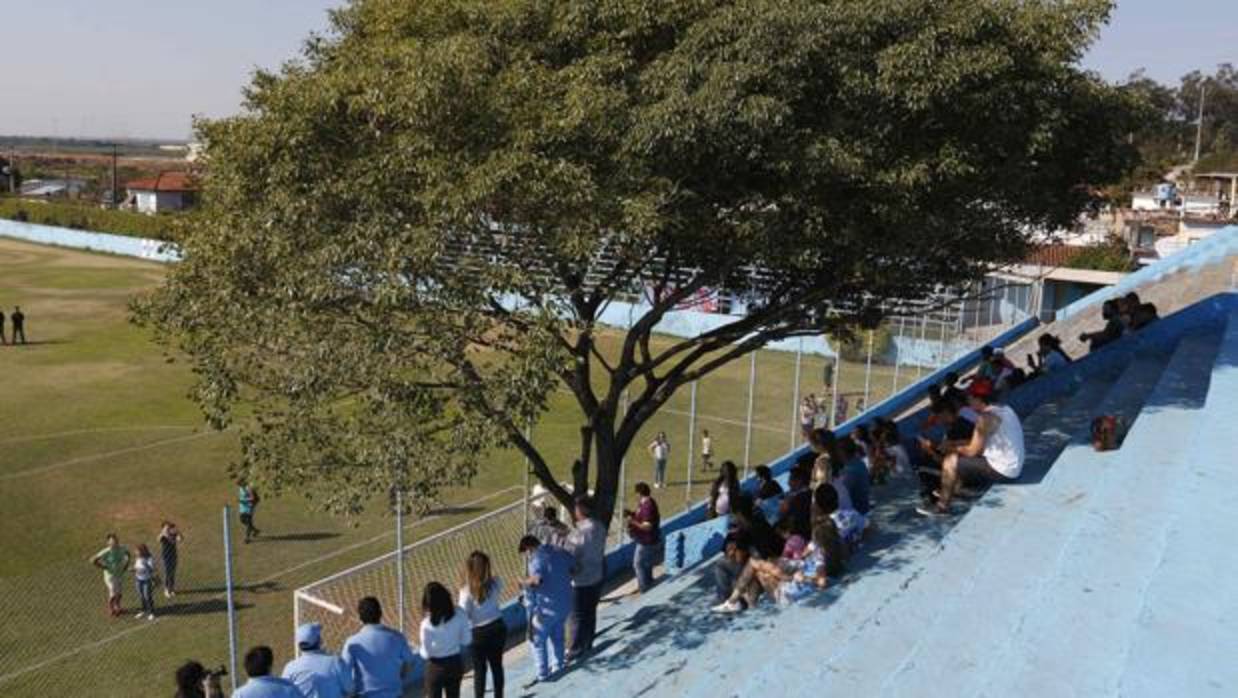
<point>767,487</point>
<point>795,509</point>
<point>1110,332</point>
<point>1134,313</point>
<point>995,452</point>
<point>1049,356</point>
<point>747,523</point>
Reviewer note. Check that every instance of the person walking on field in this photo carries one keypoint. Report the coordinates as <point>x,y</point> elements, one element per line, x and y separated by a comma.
<point>169,539</point>
<point>114,561</point>
<point>144,575</point>
<point>19,325</point>
<point>661,450</point>
<point>479,601</point>
<point>248,501</point>
<point>707,449</point>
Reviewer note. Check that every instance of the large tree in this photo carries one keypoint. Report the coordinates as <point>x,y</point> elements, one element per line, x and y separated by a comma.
<point>409,236</point>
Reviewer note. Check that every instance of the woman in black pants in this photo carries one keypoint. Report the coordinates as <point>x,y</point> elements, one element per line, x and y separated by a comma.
<point>444,634</point>
<point>479,600</point>
<point>169,538</point>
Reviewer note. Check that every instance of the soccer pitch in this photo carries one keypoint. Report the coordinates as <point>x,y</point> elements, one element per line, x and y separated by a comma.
<point>96,435</point>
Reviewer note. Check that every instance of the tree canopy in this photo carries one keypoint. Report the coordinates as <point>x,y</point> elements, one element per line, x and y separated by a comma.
<point>409,236</point>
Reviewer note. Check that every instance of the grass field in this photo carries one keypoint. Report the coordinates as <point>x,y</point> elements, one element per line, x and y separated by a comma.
<point>96,435</point>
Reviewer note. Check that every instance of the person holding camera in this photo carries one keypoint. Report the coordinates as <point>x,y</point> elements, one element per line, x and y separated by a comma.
<point>645,528</point>
<point>194,681</point>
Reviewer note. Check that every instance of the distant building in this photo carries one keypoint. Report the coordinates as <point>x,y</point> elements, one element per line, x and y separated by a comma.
<point>52,188</point>
<point>169,191</point>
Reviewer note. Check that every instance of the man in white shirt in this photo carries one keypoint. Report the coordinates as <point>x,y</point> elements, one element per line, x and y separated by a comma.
<point>661,451</point>
<point>995,452</point>
<point>588,545</point>
<point>318,674</point>
<point>378,657</point>
<point>707,450</point>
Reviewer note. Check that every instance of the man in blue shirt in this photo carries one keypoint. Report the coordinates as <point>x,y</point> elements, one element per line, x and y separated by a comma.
<point>855,477</point>
<point>548,599</point>
<point>317,673</point>
<point>261,684</point>
<point>378,657</point>
<point>247,501</point>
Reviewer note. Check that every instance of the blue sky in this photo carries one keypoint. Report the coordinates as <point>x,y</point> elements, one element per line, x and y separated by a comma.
<point>140,68</point>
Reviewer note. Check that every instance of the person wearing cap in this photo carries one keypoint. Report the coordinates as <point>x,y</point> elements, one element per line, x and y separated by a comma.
<point>995,453</point>
<point>317,673</point>
<point>379,658</point>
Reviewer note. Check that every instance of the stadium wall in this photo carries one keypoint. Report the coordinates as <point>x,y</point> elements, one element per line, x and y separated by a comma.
<point>142,248</point>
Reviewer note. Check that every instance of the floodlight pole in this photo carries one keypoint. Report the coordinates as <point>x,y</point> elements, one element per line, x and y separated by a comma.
<point>752,385</point>
<point>232,643</point>
<point>687,494</point>
<point>399,556</point>
<point>795,400</point>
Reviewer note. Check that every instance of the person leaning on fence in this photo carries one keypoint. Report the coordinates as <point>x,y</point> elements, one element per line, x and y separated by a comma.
<point>444,637</point>
<point>588,546</point>
<point>548,601</point>
<point>316,673</point>
<point>479,600</point>
<point>258,663</point>
<point>378,657</point>
<point>645,528</point>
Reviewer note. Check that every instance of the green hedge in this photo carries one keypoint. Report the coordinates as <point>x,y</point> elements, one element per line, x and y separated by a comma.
<point>80,217</point>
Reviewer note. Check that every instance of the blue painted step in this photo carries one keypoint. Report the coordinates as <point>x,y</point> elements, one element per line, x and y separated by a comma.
<point>1009,585</point>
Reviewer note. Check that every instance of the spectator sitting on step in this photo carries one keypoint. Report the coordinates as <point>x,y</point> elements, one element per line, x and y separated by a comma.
<point>1049,356</point>
<point>1112,330</point>
<point>827,541</point>
<point>795,509</point>
<point>995,452</point>
<point>767,487</point>
<point>746,519</point>
<point>756,577</point>
<point>855,477</point>
<point>1135,314</point>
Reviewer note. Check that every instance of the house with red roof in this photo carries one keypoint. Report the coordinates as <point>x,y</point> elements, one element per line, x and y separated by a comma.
<point>167,191</point>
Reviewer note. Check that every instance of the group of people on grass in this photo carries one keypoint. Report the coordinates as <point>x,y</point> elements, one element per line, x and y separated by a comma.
<point>18,321</point>
<point>115,560</point>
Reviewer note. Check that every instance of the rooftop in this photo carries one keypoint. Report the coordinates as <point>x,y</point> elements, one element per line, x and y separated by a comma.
<point>165,182</point>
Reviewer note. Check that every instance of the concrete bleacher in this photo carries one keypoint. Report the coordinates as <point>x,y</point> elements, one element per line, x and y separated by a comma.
<point>1097,574</point>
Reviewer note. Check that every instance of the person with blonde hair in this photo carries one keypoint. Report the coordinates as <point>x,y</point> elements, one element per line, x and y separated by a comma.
<point>479,599</point>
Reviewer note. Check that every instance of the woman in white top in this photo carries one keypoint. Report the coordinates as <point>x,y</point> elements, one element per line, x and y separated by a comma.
<point>444,635</point>
<point>725,487</point>
<point>144,575</point>
<point>479,600</point>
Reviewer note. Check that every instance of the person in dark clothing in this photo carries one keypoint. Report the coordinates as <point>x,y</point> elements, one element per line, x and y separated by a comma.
<point>1135,313</point>
<point>19,325</point>
<point>2,340</point>
<point>795,510</point>
<point>766,542</point>
<point>767,487</point>
<point>1113,327</point>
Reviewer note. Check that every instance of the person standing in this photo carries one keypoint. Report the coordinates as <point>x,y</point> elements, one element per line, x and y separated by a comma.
<point>479,601</point>
<point>114,561</point>
<point>258,663</point>
<point>444,635</point>
<point>588,546</point>
<point>548,601</point>
<point>378,657</point>
<point>169,539</point>
<point>144,575</point>
<point>316,673</point>
<point>707,450</point>
<point>19,325</point>
<point>2,341</point>
<point>661,450</point>
<point>247,502</point>
<point>645,528</point>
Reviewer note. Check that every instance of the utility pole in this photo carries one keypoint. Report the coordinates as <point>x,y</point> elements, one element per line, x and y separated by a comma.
<point>1199,125</point>
<point>115,193</point>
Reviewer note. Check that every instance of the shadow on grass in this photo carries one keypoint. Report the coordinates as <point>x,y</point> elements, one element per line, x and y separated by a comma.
<point>196,608</point>
<point>256,588</point>
<point>308,536</point>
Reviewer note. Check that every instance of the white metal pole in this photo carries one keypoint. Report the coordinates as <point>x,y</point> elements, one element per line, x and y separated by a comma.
<point>623,467</point>
<point>687,493</point>
<point>399,556</point>
<point>920,346</point>
<point>1199,126</point>
<point>838,371</point>
<point>230,595</point>
<point>898,354</point>
<point>752,386</point>
<point>868,369</point>
<point>795,400</point>
<point>528,466</point>
<point>296,622</point>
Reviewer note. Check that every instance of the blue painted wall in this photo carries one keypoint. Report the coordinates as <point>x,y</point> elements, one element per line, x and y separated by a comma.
<point>142,248</point>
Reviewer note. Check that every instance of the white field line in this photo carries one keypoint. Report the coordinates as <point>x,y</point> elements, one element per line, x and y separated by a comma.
<point>100,430</point>
<point>723,420</point>
<point>107,454</point>
<point>321,558</point>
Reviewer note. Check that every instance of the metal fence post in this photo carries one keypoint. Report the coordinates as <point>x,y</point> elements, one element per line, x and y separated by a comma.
<point>623,467</point>
<point>687,494</point>
<point>231,598</point>
<point>898,354</point>
<point>752,385</point>
<point>920,346</point>
<point>868,370</point>
<point>528,466</point>
<point>795,400</point>
<point>399,556</point>
<point>838,370</point>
